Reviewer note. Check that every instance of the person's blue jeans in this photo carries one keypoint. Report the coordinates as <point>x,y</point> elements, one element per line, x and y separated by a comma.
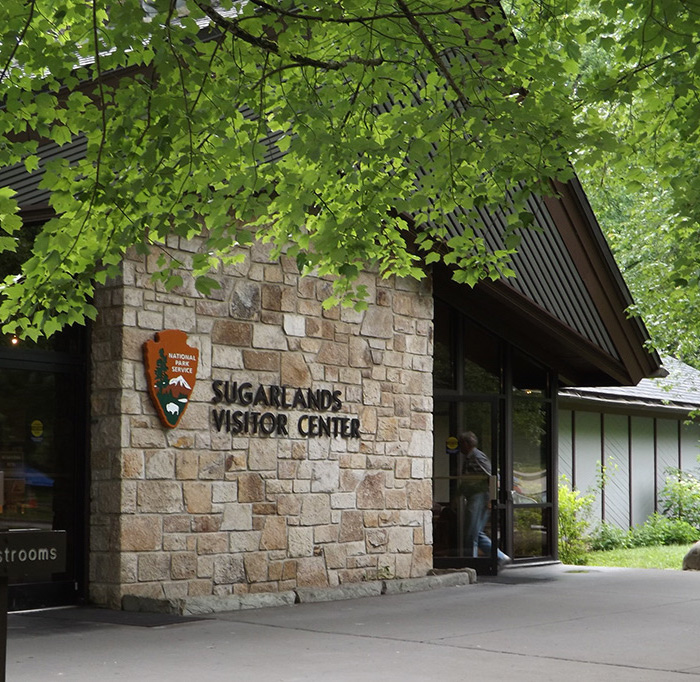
<point>477,516</point>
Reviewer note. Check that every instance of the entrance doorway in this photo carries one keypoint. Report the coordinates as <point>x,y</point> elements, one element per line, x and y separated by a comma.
<point>42,462</point>
<point>485,386</point>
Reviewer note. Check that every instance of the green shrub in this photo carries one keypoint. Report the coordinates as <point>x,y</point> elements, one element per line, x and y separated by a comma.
<point>606,537</point>
<point>680,496</point>
<point>659,530</point>
<point>574,512</point>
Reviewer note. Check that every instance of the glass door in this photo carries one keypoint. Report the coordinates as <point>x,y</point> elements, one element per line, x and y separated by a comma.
<point>41,468</point>
<point>467,516</point>
<point>506,509</point>
<point>531,503</point>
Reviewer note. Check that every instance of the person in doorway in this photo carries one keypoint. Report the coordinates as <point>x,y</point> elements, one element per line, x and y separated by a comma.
<point>476,469</point>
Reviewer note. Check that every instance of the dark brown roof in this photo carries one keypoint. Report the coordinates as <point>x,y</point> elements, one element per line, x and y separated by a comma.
<point>567,304</point>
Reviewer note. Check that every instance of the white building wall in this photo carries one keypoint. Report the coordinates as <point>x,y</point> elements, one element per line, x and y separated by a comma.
<point>617,470</point>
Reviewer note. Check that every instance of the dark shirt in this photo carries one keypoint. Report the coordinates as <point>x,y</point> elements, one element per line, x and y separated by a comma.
<point>476,462</point>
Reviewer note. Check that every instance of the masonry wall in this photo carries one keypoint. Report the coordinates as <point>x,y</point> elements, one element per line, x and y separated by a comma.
<point>196,511</point>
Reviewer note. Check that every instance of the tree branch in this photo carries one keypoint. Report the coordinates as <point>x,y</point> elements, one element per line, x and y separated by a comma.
<point>19,41</point>
<point>437,59</point>
<point>234,28</point>
<point>352,20</point>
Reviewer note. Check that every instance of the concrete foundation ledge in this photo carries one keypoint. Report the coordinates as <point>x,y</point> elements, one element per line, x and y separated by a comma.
<point>465,576</point>
<point>197,606</point>
<point>347,591</point>
<point>303,595</point>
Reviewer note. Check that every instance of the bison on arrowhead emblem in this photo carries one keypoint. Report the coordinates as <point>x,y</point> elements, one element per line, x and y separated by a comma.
<point>171,372</point>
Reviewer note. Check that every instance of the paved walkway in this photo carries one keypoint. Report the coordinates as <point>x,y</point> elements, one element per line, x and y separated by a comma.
<point>544,623</point>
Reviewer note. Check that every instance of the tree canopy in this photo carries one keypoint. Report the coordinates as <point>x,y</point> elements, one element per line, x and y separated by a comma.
<point>341,132</point>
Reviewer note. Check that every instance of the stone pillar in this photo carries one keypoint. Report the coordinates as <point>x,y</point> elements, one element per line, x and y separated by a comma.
<point>202,512</point>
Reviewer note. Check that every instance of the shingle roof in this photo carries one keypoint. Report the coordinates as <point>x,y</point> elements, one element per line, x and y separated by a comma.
<point>680,389</point>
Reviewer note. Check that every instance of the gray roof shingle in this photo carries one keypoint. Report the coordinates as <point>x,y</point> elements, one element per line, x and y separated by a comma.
<point>680,389</point>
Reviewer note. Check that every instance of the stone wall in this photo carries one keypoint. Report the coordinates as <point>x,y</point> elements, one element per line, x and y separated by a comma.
<point>196,511</point>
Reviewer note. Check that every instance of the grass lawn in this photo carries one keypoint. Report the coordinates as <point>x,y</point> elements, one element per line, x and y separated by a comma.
<point>670,556</point>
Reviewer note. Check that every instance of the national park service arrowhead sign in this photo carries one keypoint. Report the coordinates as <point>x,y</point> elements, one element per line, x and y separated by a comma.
<point>171,371</point>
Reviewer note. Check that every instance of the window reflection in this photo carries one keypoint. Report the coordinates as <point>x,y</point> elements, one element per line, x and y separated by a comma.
<point>37,439</point>
<point>482,361</point>
<point>530,532</point>
<point>529,378</point>
<point>443,347</point>
<point>530,451</point>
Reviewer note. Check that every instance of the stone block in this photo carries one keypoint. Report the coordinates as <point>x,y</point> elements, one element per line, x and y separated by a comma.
<point>147,438</point>
<point>325,476</point>
<point>422,561</point>
<point>387,429</point>
<point>255,567</point>
<point>140,533</point>
<point>351,526</point>
<point>212,543</point>
<point>228,357</point>
<point>294,370</point>
<point>161,497</point>
<point>420,494</point>
<point>294,325</point>
<point>224,491</point>
<point>232,333</point>
<point>153,566</point>
<point>132,464</point>
<point>186,465</point>
<point>176,523</point>
<point>396,499</point>
<point>237,517</point>
<point>274,534</point>
<point>370,491</point>
<point>343,501</point>
<point>245,300</point>
<point>288,505</point>
<point>211,465</point>
<point>378,323</point>
<point>400,539</point>
<point>228,569</point>
<point>206,523</point>
<point>262,455</point>
<point>269,337</point>
<point>160,464</point>
<point>315,510</point>
<point>261,361</point>
<point>377,540</point>
<point>197,497</point>
<point>334,354</point>
<point>251,488</point>
<point>301,541</point>
<point>311,572</point>
<point>180,317</point>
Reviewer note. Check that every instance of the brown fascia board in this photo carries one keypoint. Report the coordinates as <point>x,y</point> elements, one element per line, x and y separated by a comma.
<point>583,238</point>
<point>526,325</point>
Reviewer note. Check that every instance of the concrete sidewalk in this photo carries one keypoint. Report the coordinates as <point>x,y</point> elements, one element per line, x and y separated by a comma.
<point>535,623</point>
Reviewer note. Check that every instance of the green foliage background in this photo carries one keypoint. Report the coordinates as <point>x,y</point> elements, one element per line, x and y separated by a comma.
<point>390,116</point>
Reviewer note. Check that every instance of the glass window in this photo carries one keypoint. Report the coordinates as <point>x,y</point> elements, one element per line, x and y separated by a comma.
<point>530,451</point>
<point>531,529</point>
<point>39,427</point>
<point>443,351</point>
<point>529,378</point>
<point>482,361</point>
